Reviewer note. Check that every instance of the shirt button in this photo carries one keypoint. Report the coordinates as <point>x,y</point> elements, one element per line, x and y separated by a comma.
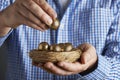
<point>116,49</point>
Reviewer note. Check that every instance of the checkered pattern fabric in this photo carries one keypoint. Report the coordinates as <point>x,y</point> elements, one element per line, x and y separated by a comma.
<point>93,21</point>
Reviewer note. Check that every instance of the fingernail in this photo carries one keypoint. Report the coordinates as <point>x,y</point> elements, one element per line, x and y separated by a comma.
<point>54,15</point>
<point>49,66</point>
<point>49,21</point>
<point>61,64</point>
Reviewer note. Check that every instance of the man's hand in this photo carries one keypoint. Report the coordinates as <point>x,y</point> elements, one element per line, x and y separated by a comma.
<point>87,61</point>
<point>34,13</point>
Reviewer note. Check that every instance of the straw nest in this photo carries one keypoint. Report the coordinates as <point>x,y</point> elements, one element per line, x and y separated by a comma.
<point>42,56</point>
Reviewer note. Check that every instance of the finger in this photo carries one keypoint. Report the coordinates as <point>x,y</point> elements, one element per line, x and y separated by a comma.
<point>91,63</point>
<point>71,67</point>
<point>85,46</point>
<point>85,57</point>
<point>47,8</point>
<point>27,14</point>
<point>29,23</point>
<point>42,66</point>
<point>37,64</point>
<point>38,12</point>
<point>56,70</point>
<point>89,52</point>
<point>88,55</point>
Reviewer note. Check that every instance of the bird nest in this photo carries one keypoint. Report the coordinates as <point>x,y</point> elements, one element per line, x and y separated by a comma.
<point>55,53</point>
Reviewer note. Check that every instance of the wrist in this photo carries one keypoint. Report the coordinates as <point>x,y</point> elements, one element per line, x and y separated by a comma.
<point>4,30</point>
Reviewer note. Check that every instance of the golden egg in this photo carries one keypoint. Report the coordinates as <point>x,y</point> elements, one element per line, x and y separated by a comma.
<point>43,46</point>
<point>52,47</point>
<point>57,48</point>
<point>55,24</point>
<point>68,47</point>
<point>62,46</point>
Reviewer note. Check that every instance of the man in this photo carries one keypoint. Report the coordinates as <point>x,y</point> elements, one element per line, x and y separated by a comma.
<point>91,24</point>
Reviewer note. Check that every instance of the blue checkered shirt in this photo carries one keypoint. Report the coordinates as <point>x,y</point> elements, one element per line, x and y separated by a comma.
<point>94,21</point>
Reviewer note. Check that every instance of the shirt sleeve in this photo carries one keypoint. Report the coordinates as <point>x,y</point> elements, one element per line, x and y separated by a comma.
<point>2,39</point>
<point>108,67</point>
<point>3,5</point>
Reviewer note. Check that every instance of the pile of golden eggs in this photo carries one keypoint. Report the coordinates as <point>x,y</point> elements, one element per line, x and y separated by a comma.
<point>61,47</point>
<point>55,53</point>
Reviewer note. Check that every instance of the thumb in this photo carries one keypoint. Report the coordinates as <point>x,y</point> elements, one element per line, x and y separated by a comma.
<point>85,57</point>
<point>88,52</point>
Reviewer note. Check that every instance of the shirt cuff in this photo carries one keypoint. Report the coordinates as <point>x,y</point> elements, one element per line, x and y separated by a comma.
<point>2,39</point>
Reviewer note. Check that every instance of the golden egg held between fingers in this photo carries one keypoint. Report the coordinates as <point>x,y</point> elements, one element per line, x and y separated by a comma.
<point>55,25</point>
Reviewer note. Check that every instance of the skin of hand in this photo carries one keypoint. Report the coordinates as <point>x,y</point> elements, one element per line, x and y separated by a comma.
<point>37,14</point>
<point>87,61</point>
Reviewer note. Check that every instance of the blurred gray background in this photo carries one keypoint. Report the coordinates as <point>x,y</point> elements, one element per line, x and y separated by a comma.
<point>3,61</point>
